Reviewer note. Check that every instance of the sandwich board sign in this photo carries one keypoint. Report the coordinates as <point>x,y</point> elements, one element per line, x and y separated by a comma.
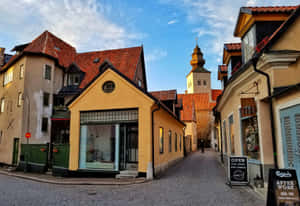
<point>238,173</point>
<point>283,188</point>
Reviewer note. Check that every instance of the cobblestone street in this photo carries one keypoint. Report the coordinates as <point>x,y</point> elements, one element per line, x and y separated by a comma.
<point>197,180</point>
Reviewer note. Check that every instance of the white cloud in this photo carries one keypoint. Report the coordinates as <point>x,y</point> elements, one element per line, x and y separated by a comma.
<point>217,19</point>
<point>84,24</point>
<point>174,21</point>
<point>155,55</point>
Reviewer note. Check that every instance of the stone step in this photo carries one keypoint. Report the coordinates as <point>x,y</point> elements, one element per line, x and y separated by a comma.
<point>127,174</point>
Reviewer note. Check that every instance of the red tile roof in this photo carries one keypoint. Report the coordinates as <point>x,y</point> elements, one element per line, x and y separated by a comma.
<point>215,93</point>
<point>165,95</point>
<point>125,60</point>
<point>272,9</point>
<point>49,44</point>
<point>233,46</point>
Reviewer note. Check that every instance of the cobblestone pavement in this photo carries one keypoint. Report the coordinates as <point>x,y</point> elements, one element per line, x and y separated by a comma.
<point>197,180</point>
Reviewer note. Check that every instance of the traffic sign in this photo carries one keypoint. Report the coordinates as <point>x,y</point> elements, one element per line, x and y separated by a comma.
<point>28,135</point>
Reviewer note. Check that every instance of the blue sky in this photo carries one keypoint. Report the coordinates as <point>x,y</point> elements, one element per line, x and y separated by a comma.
<point>166,28</point>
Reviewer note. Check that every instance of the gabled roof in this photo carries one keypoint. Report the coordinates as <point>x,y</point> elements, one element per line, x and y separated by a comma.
<point>248,15</point>
<point>47,44</point>
<point>126,60</point>
<point>108,65</point>
<point>165,95</point>
<point>268,9</point>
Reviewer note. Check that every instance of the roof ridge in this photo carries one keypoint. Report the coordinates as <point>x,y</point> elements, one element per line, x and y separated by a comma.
<point>54,36</point>
<point>109,50</point>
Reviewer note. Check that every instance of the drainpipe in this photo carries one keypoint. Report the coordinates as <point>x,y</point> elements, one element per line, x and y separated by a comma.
<point>153,165</point>
<point>221,134</point>
<point>254,63</point>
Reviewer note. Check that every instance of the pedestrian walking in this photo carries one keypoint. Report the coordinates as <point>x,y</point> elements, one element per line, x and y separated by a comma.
<point>202,145</point>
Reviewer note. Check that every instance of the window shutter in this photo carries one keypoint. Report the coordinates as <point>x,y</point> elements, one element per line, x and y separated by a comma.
<point>289,142</point>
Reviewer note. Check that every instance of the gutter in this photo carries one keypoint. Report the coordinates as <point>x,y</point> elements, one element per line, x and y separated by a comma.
<point>254,61</point>
<point>152,114</point>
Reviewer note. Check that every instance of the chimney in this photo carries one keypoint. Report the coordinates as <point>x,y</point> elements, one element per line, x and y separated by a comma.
<point>2,58</point>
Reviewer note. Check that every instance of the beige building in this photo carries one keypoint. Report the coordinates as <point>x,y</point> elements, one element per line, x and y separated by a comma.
<point>259,109</point>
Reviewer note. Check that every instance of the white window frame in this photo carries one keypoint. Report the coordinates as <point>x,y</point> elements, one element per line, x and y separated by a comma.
<point>248,41</point>
<point>8,76</point>
<point>20,95</point>
<point>21,71</point>
<point>45,66</point>
<point>2,105</point>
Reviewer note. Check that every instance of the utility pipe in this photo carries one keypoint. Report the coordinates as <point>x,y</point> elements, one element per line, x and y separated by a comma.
<point>153,165</point>
<point>254,63</point>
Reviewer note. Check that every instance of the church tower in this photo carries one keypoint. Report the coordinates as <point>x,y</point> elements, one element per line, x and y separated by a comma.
<point>198,80</point>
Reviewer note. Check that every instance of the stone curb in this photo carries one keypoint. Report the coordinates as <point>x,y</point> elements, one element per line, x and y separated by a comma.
<point>107,183</point>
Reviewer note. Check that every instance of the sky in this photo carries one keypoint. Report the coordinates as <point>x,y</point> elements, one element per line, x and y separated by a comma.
<point>167,29</point>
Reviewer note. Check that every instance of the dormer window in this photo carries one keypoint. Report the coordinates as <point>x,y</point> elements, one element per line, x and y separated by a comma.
<point>248,44</point>
<point>74,79</point>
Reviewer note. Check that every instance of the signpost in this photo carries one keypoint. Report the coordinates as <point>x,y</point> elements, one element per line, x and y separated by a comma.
<point>283,188</point>
<point>28,136</point>
<point>238,170</point>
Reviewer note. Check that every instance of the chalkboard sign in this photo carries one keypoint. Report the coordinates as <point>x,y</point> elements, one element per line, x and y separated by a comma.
<point>283,188</point>
<point>238,170</point>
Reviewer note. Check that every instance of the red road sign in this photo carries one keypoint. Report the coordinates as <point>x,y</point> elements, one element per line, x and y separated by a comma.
<point>28,135</point>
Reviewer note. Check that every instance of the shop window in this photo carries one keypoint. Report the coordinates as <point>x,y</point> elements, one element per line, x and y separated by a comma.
<point>224,136</point>
<point>21,76</point>
<point>44,124</point>
<point>161,140</point>
<point>231,135</point>
<point>46,99</point>
<point>97,146</point>
<point>170,141</point>
<point>20,99</point>
<point>250,138</point>
<point>2,105</point>
<point>47,72</point>
<point>175,137</point>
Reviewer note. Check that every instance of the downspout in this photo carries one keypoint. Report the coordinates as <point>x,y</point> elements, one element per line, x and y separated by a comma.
<point>221,134</point>
<point>153,165</point>
<point>254,63</point>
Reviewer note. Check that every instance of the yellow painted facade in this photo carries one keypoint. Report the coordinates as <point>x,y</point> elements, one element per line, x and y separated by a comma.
<point>191,130</point>
<point>124,96</point>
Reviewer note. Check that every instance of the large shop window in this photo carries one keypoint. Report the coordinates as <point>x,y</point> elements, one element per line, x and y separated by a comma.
<point>103,143</point>
<point>250,138</point>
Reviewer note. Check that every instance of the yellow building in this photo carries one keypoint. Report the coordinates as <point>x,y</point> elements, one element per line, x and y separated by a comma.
<point>117,126</point>
<point>259,109</point>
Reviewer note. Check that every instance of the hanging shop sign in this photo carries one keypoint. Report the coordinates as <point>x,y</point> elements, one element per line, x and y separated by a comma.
<point>283,188</point>
<point>28,135</point>
<point>248,107</point>
<point>238,170</point>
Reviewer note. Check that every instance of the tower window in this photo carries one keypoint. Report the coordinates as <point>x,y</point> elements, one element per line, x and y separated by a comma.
<point>199,82</point>
<point>204,82</point>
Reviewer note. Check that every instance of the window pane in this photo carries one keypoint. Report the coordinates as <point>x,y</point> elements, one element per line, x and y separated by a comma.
<point>161,140</point>
<point>48,72</point>
<point>97,147</point>
<point>175,142</point>
<point>46,99</point>
<point>22,71</point>
<point>45,124</point>
<point>170,141</point>
<point>2,105</point>
<point>20,99</point>
<point>250,138</point>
